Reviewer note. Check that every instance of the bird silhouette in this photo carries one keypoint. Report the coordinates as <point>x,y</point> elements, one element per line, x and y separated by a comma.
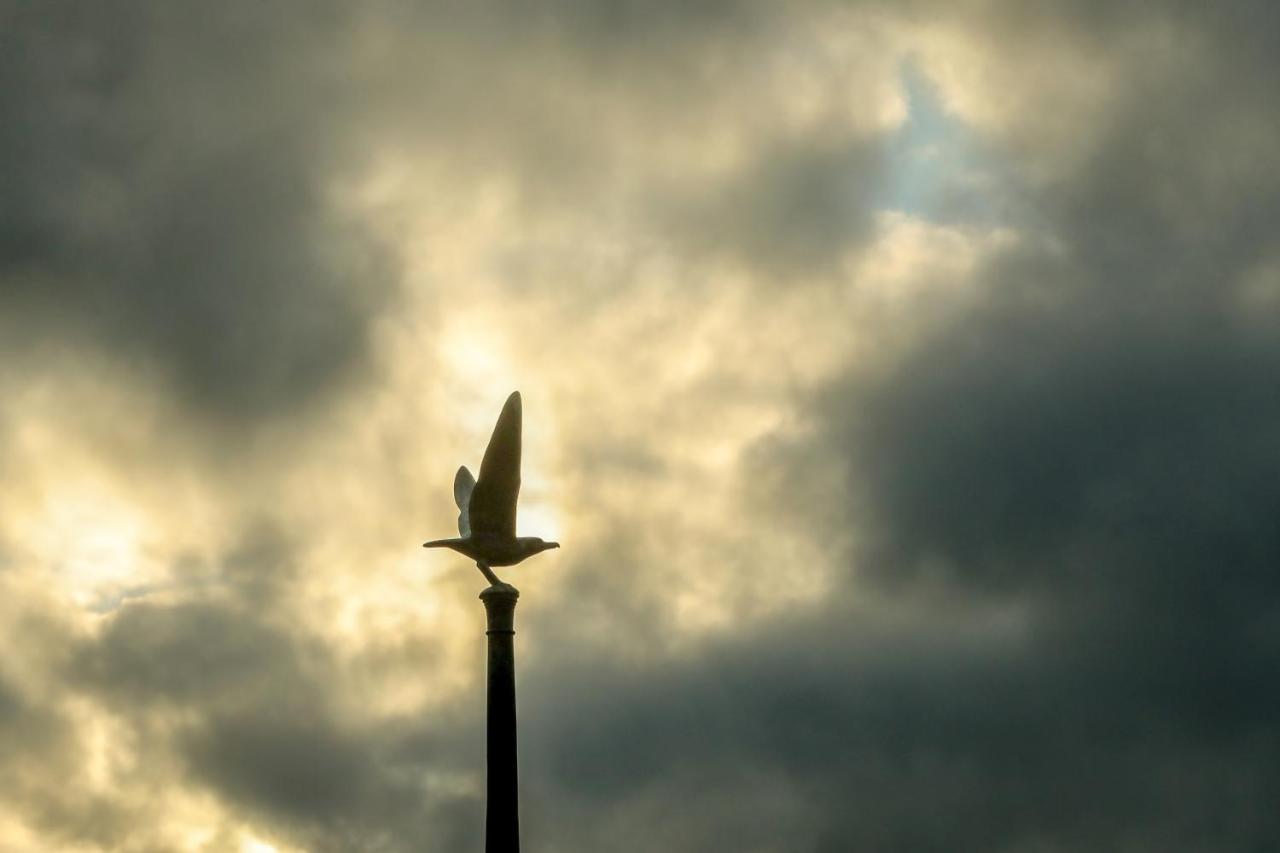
<point>487,507</point>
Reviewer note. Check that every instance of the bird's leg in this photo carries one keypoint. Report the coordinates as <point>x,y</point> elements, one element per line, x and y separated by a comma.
<point>488,573</point>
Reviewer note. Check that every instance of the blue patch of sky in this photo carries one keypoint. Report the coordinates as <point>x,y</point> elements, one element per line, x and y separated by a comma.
<point>937,168</point>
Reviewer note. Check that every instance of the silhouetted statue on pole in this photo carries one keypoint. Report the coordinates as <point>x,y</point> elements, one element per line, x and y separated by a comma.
<point>487,528</point>
<point>487,507</point>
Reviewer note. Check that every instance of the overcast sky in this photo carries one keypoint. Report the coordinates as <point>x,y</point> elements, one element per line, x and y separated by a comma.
<point>902,380</point>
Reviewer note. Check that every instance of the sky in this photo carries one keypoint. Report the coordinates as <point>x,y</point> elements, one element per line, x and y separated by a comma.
<point>899,378</point>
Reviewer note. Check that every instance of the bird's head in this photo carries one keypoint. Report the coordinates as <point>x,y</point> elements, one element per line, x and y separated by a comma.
<point>536,544</point>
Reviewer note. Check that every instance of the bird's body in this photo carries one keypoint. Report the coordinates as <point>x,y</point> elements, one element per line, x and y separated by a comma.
<point>487,507</point>
<point>494,551</point>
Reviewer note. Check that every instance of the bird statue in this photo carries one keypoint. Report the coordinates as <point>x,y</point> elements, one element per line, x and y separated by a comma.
<point>487,507</point>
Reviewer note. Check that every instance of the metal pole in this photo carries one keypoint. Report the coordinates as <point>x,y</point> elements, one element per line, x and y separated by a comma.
<point>502,811</point>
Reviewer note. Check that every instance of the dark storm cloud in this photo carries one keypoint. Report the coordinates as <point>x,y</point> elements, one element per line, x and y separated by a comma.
<point>833,733</point>
<point>300,768</point>
<point>1113,474</point>
<point>1102,451</point>
<point>164,176</point>
<point>201,654</point>
<point>1027,429</point>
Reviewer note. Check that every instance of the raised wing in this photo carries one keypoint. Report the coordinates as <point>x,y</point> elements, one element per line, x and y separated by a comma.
<point>493,501</point>
<point>463,485</point>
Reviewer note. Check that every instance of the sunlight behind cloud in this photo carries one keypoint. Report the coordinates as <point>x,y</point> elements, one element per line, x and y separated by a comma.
<point>539,518</point>
<point>477,366</point>
<point>92,540</point>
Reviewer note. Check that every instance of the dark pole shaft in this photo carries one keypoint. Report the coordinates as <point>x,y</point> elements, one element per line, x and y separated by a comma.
<point>502,814</point>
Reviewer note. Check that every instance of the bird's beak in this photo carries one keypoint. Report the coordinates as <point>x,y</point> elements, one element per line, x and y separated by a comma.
<point>551,545</point>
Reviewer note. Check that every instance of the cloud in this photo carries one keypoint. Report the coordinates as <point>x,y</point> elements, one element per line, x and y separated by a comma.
<point>835,729</point>
<point>223,700</point>
<point>1085,444</point>
<point>172,206</point>
<point>799,208</point>
<point>880,532</point>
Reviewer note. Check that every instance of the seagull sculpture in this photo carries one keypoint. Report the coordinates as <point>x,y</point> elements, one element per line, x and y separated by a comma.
<point>487,507</point>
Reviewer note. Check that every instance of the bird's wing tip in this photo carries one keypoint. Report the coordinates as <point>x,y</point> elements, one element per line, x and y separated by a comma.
<point>463,485</point>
